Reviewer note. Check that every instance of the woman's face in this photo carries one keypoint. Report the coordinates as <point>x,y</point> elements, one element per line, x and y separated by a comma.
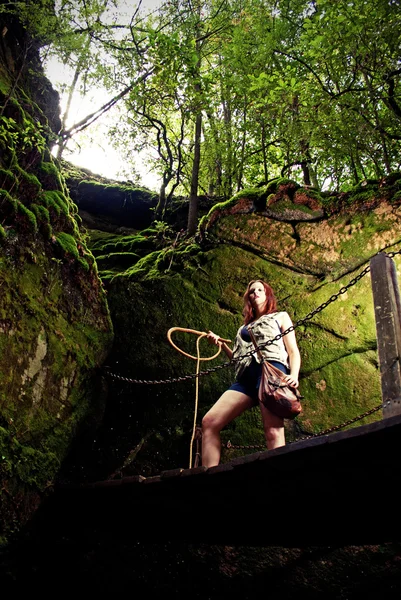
<point>257,295</point>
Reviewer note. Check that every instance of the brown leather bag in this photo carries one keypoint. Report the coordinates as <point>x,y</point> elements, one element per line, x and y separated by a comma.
<point>279,397</point>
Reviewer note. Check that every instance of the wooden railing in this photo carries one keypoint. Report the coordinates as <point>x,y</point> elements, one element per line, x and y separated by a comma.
<point>387,306</point>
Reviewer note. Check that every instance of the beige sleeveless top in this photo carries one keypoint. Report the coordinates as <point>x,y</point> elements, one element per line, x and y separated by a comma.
<point>265,328</point>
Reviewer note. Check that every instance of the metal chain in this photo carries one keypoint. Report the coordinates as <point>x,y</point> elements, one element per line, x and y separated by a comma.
<point>391,254</point>
<point>317,310</point>
<point>308,317</point>
<point>229,445</point>
<point>337,427</point>
<point>171,380</point>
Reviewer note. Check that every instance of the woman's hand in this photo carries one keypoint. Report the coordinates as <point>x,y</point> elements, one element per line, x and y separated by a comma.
<point>291,380</point>
<point>212,338</point>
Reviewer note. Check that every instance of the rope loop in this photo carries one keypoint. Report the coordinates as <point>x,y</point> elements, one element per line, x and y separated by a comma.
<point>200,335</point>
<point>198,358</point>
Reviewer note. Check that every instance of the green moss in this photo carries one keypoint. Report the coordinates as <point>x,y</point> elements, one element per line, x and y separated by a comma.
<point>29,216</point>
<point>371,184</point>
<point>74,226</point>
<point>50,199</point>
<point>256,195</point>
<point>56,200</point>
<point>5,85</point>
<point>50,176</point>
<point>29,185</point>
<point>335,393</point>
<point>272,186</point>
<point>47,230</point>
<point>154,264</point>
<point>36,468</point>
<point>31,467</point>
<point>149,266</point>
<point>253,194</point>
<point>312,193</point>
<point>284,206</point>
<point>123,187</point>
<point>114,243</point>
<point>8,180</point>
<point>117,259</point>
<point>41,212</point>
<point>362,196</point>
<point>68,244</point>
<point>6,198</point>
<point>54,322</point>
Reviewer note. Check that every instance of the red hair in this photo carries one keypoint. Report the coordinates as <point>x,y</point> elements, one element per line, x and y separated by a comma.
<point>271,302</point>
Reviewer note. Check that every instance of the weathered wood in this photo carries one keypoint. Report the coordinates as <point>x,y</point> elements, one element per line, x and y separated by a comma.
<point>322,491</point>
<point>387,304</point>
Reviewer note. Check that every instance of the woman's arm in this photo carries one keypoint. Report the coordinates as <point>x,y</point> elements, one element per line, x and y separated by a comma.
<point>291,346</point>
<point>215,339</point>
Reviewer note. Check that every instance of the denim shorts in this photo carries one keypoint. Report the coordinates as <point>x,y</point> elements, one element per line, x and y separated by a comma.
<point>248,383</point>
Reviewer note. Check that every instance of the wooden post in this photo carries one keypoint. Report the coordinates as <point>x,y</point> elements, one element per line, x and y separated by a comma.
<point>387,304</point>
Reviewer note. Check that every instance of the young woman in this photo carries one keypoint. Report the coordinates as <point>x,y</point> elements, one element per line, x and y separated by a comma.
<point>260,312</point>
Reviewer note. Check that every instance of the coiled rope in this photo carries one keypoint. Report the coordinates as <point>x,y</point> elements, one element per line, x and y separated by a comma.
<point>198,358</point>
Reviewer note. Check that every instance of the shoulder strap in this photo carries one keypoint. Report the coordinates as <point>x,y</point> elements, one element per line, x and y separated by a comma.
<point>258,352</point>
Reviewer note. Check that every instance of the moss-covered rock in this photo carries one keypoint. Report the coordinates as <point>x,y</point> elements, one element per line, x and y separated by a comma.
<point>121,203</point>
<point>55,328</point>
<point>154,285</point>
<point>285,200</point>
<point>55,331</point>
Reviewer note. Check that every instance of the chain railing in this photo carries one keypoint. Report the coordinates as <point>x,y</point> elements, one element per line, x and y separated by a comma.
<point>371,411</point>
<point>298,323</point>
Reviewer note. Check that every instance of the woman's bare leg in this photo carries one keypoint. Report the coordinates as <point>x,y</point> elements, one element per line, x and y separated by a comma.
<point>273,427</point>
<point>229,406</point>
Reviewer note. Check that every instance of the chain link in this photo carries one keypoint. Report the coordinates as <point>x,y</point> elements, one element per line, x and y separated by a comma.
<point>230,446</point>
<point>392,254</point>
<point>163,381</point>
<point>337,427</point>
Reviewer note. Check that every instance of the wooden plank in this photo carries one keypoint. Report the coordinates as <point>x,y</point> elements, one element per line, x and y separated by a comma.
<point>387,305</point>
<point>327,490</point>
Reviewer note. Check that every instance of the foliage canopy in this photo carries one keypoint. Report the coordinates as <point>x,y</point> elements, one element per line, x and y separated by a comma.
<point>224,94</point>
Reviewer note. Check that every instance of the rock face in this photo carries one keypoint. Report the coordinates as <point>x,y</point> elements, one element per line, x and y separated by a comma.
<point>55,328</point>
<point>55,331</point>
<point>308,255</point>
<point>109,205</point>
<point>118,207</point>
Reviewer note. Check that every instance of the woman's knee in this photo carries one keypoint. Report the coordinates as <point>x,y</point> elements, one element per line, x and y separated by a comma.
<point>210,423</point>
<point>274,435</point>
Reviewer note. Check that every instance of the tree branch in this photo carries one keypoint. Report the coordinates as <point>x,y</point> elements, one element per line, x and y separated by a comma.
<point>391,101</point>
<point>89,119</point>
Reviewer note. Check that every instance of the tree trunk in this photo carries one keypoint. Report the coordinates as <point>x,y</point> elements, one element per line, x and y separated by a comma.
<point>264,153</point>
<point>305,171</point>
<point>161,205</point>
<point>193,199</point>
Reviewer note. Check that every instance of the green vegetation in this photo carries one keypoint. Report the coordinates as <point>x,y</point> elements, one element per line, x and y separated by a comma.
<point>287,112</point>
<point>55,326</point>
<point>271,116</point>
<point>29,216</point>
